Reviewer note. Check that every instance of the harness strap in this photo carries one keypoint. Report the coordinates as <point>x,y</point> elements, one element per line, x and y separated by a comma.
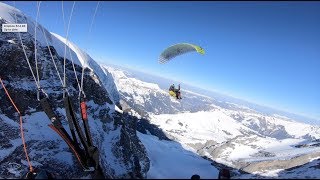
<point>69,118</point>
<point>74,122</point>
<point>59,129</point>
<point>84,115</point>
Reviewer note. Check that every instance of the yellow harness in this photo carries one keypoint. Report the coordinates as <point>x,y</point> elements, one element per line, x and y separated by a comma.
<point>172,93</point>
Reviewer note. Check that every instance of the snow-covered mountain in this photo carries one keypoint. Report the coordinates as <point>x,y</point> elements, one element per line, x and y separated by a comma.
<point>83,59</point>
<point>122,155</point>
<point>227,101</point>
<point>199,134</point>
<point>149,97</point>
<point>227,133</point>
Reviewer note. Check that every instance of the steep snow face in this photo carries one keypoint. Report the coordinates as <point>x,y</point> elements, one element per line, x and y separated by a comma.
<point>83,59</point>
<point>72,51</point>
<point>169,160</point>
<point>12,15</point>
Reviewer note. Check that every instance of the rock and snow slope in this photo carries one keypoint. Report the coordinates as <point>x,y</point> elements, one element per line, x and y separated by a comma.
<point>111,131</point>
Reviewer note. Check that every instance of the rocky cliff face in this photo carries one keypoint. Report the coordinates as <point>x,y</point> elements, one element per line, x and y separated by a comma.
<point>122,155</point>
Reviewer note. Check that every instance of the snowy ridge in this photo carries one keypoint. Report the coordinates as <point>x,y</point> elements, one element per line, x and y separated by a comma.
<point>83,59</point>
<point>77,55</point>
<point>6,10</point>
<point>197,94</point>
<point>128,84</point>
<point>8,14</point>
<point>293,128</point>
<point>149,97</point>
<point>141,92</point>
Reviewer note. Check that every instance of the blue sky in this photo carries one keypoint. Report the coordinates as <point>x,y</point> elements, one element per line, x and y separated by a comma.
<point>264,52</point>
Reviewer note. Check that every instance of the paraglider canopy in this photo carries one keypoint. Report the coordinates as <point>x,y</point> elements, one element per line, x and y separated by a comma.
<point>178,49</point>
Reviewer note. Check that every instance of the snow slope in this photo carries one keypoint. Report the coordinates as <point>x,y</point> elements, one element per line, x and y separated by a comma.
<point>200,126</point>
<point>169,160</point>
<point>223,139</point>
<point>228,133</point>
<point>138,88</point>
<point>150,97</point>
